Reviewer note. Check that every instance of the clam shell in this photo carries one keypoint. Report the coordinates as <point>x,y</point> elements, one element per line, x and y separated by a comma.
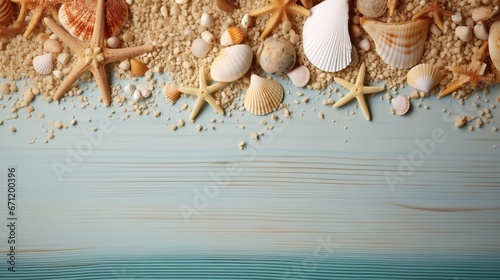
<point>326,40</point>
<point>463,33</point>
<point>263,95</point>
<point>145,90</point>
<point>232,36</point>
<point>43,64</point>
<point>401,105</point>
<point>276,56</point>
<point>137,95</point>
<point>424,77</point>
<point>371,8</point>
<point>299,76</point>
<point>78,17</point>
<point>171,92</point>
<point>52,46</point>
<point>200,48</point>
<point>129,88</point>
<point>206,20</point>
<point>494,44</point>
<point>6,11</point>
<point>231,63</point>
<point>481,32</point>
<point>400,44</point>
<point>483,13</point>
<point>227,6</point>
<point>137,68</point>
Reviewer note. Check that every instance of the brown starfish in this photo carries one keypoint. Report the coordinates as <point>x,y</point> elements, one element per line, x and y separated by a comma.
<point>204,94</point>
<point>280,10</point>
<point>93,55</point>
<point>437,12</point>
<point>392,4</point>
<point>472,74</point>
<point>357,90</point>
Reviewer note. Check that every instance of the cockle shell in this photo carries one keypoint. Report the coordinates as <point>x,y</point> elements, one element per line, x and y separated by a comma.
<point>481,32</point>
<point>171,92</point>
<point>208,37</point>
<point>78,17</point>
<point>483,13</point>
<point>371,8</point>
<point>401,104</point>
<point>494,44</point>
<point>43,64</point>
<point>232,36</point>
<point>52,46</point>
<point>299,76</point>
<point>206,20</point>
<point>325,34</point>
<point>276,56</point>
<point>227,6</point>
<point>400,44</point>
<point>463,33</point>
<point>263,95</point>
<point>145,90</point>
<point>200,48</point>
<point>231,63</point>
<point>6,11</point>
<point>137,68</point>
<point>424,77</point>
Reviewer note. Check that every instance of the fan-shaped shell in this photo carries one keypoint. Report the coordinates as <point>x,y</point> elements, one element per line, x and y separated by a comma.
<point>231,63</point>
<point>354,57</point>
<point>263,95</point>
<point>227,6</point>
<point>424,77</point>
<point>299,76</point>
<point>200,48</point>
<point>78,17</point>
<point>326,40</point>
<point>43,64</point>
<point>371,8</point>
<point>137,68</point>
<point>171,92</point>
<point>401,105</point>
<point>400,44</point>
<point>6,11</point>
<point>232,36</point>
<point>494,44</point>
<point>483,13</point>
<point>276,56</point>
<point>52,46</point>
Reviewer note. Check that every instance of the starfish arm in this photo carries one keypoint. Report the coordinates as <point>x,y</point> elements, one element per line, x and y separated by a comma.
<point>262,11</point>
<point>438,20</point>
<point>213,103</point>
<point>72,77</point>
<point>392,4</point>
<point>297,10</point>
<point>344,83</point>
<point>102,83</point>
<point>113,55</point>
<point>480,54</point>
<point>424,11</point>
<point>374,89</point>
<point>99,25</point>
<point>190,91</point>
<point>454,86</point>
<point>24,10</point>
<point>216,87</point>
<point>344,100</point>
<point>72,42</point>
<point>364,107</point>
<point>360,80</point>
<point>55,13</point>
<point>36,17</point>
<point>197,107</point>
<point>488,79</point>
<point>307,3</point>
<point>271,24</point>
<point>202,79</point>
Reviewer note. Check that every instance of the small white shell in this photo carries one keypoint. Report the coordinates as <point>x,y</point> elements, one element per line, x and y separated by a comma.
<point>164,11</point>
<point>137,95</point>
<point>424,77</point>
<point>483,13</point>
<point>124,65</point>
<point>208,37</point>
<point>145,90</point>
<point>457,18</point>
<point>463,33</point>
<point>200,48</point>
<point>481,32</point>
<point>52,46</point>
<point>231,63</point>
<point>43,64</point>
<point>114,42</point>
<point>299,76</point>
<point>129,88</point>
<point>262,96</point>
<point>247,21</point>
<point>206,20</point>
<point>401,104</point>
<point>364,45</point>
<point>63,58</point>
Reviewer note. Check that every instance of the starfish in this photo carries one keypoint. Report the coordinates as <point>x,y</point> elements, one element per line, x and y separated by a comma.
<point>39,9</point>
<point>280,10</point>
<point>437,12</point>
<point>472,74</point>
<point>93,55</point>
<point>204,94</point>
<point>357,90</point>
<point>392,4</point>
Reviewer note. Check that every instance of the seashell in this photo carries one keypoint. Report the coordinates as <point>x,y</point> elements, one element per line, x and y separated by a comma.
<point>263,95</point>
<point>6,11</point>
<point>206,20</point>
<point>246,21</point>
<point>401,104</point>
<point>227,6</point>
<point>232,36</point>
<point>424,77</point>
<point>137,95</point>
<point>364,45</point>
<point>371,8</point>
<point>483,13</point>
<point>325,35</point>
<point>137,68</point>
<point>208,37</point>
<point>114,42</point>
<point>124,65</point>
<point>200,48</point>
<point>231,63</point>
<point>400,44</point>
<point>481,32</point>
<point>299,76</point>
<point>180,2</point>
<point>164,11</point>
<point>276,56</point>
<point>171,92</point>
<point>78,17</point>
<point>145,90</point>
<point>457,18</point>
<point>464,33</point>
<point>63,58</point>
<point>58,74</point>
<point>494,44</point>
<point>52,46</point>
<point>129,88</point>
<point>43,64</point>
<point>354,57</point>
<point>436,30</point>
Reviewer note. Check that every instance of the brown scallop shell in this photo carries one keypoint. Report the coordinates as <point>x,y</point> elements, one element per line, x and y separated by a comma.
<point>78,17</point>
<point>137,68</point>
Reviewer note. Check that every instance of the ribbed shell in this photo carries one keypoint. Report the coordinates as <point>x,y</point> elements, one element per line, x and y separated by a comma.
<point>483,13</point>
<point>371,8</point>
<point>52,46</point>
<point>400,44</point>
<point>200,48</point>
<point>263,95</point>
<point>171,92</point>
<point>494,44</point>
<point>232,36</point>
<point>401,105</point>
<point>424,77</point>
<point>137,68</point>
<point>78,17</point>
<point>6,11</point>
<point>299,76</point>
<point>43,64</point>
<point>231,63</point>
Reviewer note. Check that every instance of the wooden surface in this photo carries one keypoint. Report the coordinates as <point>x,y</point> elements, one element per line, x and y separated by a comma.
<point>312,199</point>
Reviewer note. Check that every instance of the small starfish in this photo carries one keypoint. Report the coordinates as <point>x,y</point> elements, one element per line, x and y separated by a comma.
<point>93,55</point>
<point>280,10</point>
<point>437,12</point>
<point>357,90</point>
<point>472,74</point>
<point>204,94</point>
<point>392,4</point>
<point>39,9</point>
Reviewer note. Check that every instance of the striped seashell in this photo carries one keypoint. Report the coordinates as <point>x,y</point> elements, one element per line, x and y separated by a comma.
<point>299,76</point>
<point>494,44</point>
<point>171,92</point>
<point>371,8</point>
<point>145,90</point>
<point>424,77</point>
<point>400,44</point>
<point>52,46</point>
<point>137,68</point>
<point>483,13</point>
<point>232,36</point>
<point>263,95</point>
<point>6,11</point>
<point>231,63</point>
<point>401,105</point>
<point>200,48</point>
<point>227,6</point>
<point>78,17</point>
<point>43,64</point>
<point>354,56</point>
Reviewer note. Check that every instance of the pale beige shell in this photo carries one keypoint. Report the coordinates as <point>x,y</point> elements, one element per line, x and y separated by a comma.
<point>6,11</point>
<point>231,63</point>
<point>354,56</point>
<point>232,36</point>
<point>52,46</point>
<point>400,44</point>
<point>114,42</point>
<point>483,13</point>
<point>262,96</point>
<point>299,76</point>
<point>200,48</point>
<point>424,77</point>
<point>481,32</point>
<point>227,6</point>
<point>401,104</point>
<point>494,44</point>
<point>371,8</point>
<point>171,92</point>
<point>464,33</point>
<point>137,68</point>
<point>78,17</point>
<point>44,63</point>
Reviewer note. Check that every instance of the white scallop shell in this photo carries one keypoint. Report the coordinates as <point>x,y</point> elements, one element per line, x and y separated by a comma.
<point>262,96</point>
<point>424,77</point>
<point>299,76</point>
<point>43,64</point>
<point>494,44</point>
<point>206,20</point>
<point>401,105</point>
<point>145,90</point>
<point>231,63</point>
<point>326,40</point>
<point>200,48</point>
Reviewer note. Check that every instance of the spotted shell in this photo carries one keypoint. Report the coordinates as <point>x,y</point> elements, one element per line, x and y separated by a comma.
<point>137,68</point>
<point>372,8</point>
<point>171,92</point>
<point>6,11</point>
<point>78,17</point>
<point>263,95</point>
